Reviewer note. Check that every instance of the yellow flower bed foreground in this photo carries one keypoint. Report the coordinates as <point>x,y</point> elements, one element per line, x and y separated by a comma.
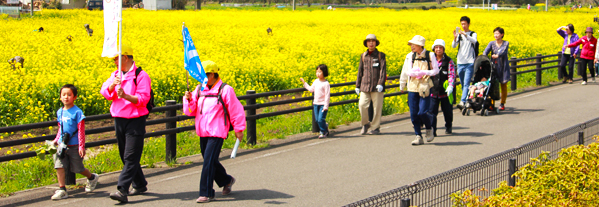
<point>238,42</point>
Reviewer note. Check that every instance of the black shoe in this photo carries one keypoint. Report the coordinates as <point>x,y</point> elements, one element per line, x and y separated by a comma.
<point>448,130</point>
<point>118,196</point>
<point>137,191</point>
<point>435,133</point>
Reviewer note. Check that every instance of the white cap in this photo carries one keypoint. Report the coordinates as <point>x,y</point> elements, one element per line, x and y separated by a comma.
<point>438,42</point>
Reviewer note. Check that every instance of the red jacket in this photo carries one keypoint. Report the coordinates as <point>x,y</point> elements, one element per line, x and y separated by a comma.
<point>588,47</point>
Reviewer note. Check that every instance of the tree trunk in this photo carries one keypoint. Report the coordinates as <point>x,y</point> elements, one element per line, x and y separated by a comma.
<point>198,4</point>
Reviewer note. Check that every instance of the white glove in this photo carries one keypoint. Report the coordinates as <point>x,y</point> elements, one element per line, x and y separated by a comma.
<point>449,90</point>
<point>379,88</point>
<point>358,91</point>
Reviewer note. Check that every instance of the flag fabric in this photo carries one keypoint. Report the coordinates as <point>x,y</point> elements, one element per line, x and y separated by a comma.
<point>112,17</point>
<point>193,64</point>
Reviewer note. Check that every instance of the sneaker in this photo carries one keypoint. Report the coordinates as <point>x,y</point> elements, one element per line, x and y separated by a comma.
<point>593,79</point>
<point>227,188</point>
<point>204,199</point>
<point>60,194</point>
<point>502,107</point>
<point>448,130</point>
<point>365,129</point>
<point>119,196</point>
<point>429,135</point>
<point>321,136</point>
<point>583,83</point>
<point>460,105</point>
<point>91,184</point>
<point>570,81</point>
<point>137,191</point>
<point>375,132</point>
<point>418,140</point>
<point>565,80</point>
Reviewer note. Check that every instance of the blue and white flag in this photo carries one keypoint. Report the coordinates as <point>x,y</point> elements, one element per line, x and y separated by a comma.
<point>193,64</point>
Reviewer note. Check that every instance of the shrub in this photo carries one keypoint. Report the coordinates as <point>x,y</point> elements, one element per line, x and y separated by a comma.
<point>570,180</point>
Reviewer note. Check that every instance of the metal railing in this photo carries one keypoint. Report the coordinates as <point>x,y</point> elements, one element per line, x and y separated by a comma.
<point>482,174</point>
<point>538,70</point>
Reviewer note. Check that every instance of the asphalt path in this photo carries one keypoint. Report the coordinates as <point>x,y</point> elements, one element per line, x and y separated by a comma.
<point>304,171</point>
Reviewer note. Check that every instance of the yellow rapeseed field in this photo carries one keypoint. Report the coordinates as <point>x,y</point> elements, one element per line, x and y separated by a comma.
<point>238,42</point>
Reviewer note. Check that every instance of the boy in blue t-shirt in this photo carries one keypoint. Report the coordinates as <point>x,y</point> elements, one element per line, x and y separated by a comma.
<point>71,121</point>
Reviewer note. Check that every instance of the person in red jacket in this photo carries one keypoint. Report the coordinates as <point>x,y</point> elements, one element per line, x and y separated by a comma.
<point>587,56</point>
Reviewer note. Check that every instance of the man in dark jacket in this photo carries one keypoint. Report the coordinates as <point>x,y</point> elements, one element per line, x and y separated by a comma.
<point>370,85</point>
<point>439,93</point>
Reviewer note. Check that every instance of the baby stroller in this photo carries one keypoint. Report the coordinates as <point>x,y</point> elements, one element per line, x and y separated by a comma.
<point>483,68</point>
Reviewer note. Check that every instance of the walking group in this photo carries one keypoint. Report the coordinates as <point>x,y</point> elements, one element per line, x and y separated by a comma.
<point>429,77</point>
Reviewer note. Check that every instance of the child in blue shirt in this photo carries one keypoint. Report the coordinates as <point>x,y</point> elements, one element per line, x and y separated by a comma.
<point>71,127</point>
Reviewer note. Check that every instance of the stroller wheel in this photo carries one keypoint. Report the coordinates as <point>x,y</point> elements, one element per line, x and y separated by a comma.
<point>487,113</point>
<point>483,112</point>
<point>468,112</point>
<point>497,110</point>
<point>464,112</point>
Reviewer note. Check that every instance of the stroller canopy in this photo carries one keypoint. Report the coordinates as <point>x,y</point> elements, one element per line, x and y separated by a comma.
<point>482,68</point>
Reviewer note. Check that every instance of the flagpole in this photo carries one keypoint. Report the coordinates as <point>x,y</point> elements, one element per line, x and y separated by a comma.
<point>120,43</point>
<point>186,72</point>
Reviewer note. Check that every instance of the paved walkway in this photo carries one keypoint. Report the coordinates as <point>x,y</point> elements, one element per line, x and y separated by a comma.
<point>303,171</point>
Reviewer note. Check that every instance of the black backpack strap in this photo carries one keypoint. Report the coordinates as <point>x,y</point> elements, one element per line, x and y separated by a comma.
<point>413,58</point>
<point>220,99</point>
<point>136,74</point>
<point>428,58</point>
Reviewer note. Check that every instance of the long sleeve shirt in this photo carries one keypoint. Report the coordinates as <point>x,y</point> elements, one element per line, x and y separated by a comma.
<point>322,92</point>
<point>466,51</point>
<point>572,38</point>
<point>405,77</point>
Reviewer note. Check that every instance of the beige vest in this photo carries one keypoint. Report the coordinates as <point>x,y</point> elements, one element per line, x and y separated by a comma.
<point>424,84</point>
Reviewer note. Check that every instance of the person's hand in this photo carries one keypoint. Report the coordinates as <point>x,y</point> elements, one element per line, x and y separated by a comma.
<point>494,56</point>
<point>323,109</point>
<point>402,87</point>
<point>239,136</point>
<point>358,91</point>
<point>455,34</point>
<point>302,80</point>
<point>462,32</point>
<point>187,96</point>
<point>574,56</point>
<point>449,90</point>
<point>115,81</point>
<point>81,153</point>
<point>54,143</point>
<point>379,88</point>
<point>121,93</point>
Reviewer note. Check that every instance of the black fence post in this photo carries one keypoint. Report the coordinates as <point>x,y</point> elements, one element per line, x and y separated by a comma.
<point>514,77</point>
<point>251,124</point>
<point>315,127</point>
<point>511,172</point>
<point>560,75</point>
<point>581,138</point>
<point>539,72</point>
<point>405,202</point>
<point>70,177</point>
<point>370,111</point>
<point>171,139</point>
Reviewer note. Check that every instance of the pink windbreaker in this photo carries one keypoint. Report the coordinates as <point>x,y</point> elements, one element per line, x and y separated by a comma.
<point>210,117</point>
<point>125,109</point>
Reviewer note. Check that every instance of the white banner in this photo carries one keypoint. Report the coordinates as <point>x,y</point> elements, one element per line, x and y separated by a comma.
<point>112,16</point>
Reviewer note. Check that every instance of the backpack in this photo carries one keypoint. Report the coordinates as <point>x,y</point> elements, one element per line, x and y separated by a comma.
<point>475,46</point>
<point>427,58</point>
<point>150,104</point>
<point>220,100</point>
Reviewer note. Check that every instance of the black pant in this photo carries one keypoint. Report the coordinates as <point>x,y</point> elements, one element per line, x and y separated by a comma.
<point>212,170</point>
<point>582,68</point>
<point>130,138</point>
<point>567,59</point>
<point>447,111</point>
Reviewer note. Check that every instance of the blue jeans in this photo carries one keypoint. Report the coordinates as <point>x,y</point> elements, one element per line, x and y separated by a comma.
<point>420,112</point>
<point>320,117</point>
<point>465,72</point>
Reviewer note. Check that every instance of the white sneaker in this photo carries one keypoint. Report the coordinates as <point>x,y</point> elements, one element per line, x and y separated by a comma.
<point>593,79</point>
<point>418,140</point>
<point>429,135</point>
<point>60,194</point>
<point>91,184</point>
<point>583,83</point>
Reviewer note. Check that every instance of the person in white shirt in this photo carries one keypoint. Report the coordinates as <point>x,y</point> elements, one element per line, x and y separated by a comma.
<point>416,75</point>
<point>467,45</point>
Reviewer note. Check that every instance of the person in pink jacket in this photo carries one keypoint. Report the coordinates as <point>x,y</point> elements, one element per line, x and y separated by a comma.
<point>129,98</point>
<point>587,56</point>
<point>216,109</point>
